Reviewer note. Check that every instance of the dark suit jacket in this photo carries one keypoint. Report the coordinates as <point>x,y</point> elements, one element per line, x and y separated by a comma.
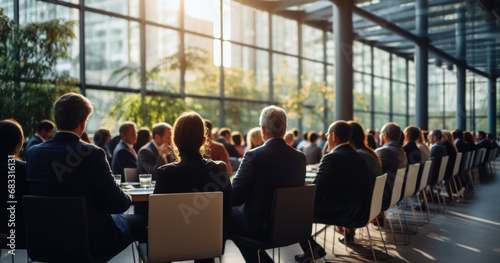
<point>273,165</point>
<point>148,160</point>
<point>393,158</point>
<point>343,188</point>
<point>313,154</point>
<point>461,146</point>
<point>123,158</point>
<point>452,156</point>
<point>195,174</point>
<point>229,148</point>
<point>34,140</point>
<point>66,166</point>
<point>21,188</point>
<point>438,150</point>
<point>412,153</point>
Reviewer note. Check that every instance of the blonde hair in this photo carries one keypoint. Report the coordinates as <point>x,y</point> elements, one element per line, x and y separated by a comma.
<point>253,135</point>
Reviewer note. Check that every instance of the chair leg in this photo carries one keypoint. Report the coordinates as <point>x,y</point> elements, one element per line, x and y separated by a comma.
<point>258,254</point>
<point>371,244</point>
<point>413,212</point>
<point>393,234</point>
<point>431,191</point>
<point>311,250</point>
<point>451,190</point>
<point>420,207</point>
<point>427,206</point>
<point>442,194</point>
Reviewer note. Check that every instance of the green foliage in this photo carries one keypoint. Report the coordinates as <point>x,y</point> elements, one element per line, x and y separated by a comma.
<point>146,112</point>
<point>29,83</point>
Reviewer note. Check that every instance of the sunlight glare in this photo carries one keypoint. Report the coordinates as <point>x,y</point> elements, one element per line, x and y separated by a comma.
<point>469,248</point>
<point>424,254</point>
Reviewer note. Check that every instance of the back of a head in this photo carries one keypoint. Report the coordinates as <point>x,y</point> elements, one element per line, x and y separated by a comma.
<point>159,128</point>
<point>489,136</point>
<point>288,137</point>
<point>458,134</point>
<point>482,134</point>
<point>371,131</point>
<point>70,110</point>
<point>100,137</point>
<point>237,138</point>
<point>11,137</point>
<point>252,136</point>
<point>468,138</point>
<point>223,132</point>
<point>358,138</point>
<point>342,130</point>
<point>312,136</point>
<point>274,121</point>
<point>188,134</point>
<point>392,130</point>
<point>45,125</point>
<point>413,133</point>
<point>438,134</point>
<point>447,136</point>
<point>295,132</point>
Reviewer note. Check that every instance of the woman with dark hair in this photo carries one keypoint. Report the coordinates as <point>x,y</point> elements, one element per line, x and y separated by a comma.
<point>101,138</point>
<point>359,142</point>
<point>469,141</point>
<point>13,172</point>
<point>193,173</point>
<point>237,141</point>
<point>143,137</point>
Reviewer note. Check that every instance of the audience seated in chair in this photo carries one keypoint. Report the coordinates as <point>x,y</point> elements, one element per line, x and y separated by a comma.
<point>65,166</point>
<point>193,173</point>
<point>157,152</point>
<point>263,169</point>
<point>343,188</point>
<point>44,131</point>
<point>124,155</point>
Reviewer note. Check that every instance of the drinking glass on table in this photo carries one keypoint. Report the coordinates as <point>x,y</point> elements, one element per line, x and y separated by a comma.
<point>145,180</point>
<point>118,179</point>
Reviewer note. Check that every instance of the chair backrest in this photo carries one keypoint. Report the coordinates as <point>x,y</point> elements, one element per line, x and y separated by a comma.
<point>442,169</point>
<point>477,157</point>
<point>483,155</point>
<point>465,161</point>
<point>397,188</point>
<point>131,174</point>
<point>471,161</point>
<point>184,226</point>
<point>292,215</point>
<point>411,179</point>
<point>425,174</point>
<point>56,229</point>
<point>458,161</point>
<point>377,196</point>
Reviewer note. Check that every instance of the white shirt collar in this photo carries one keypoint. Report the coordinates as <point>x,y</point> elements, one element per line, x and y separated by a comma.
<point>41,138</point>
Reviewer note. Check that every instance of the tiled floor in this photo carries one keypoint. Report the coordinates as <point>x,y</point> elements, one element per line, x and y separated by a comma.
<point>468,231</point>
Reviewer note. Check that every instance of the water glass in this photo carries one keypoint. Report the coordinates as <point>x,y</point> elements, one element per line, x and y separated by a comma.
<point>118,178</point>
<point>145,180</point>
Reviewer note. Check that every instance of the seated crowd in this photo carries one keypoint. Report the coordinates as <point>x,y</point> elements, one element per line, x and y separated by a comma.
<point>192,155</point>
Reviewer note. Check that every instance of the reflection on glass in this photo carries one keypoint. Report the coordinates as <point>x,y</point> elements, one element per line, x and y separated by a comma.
<point>164,12</point>
<point>242,116</point>
<point>248,76</point>
<point>285,37</point>
<point>112,51</point>
<point>312,43</point>
<point>31,11</point>
<point>207,108</point>
<point>203,16</point>
<point>103,101</point>
<point>126,8</point>
<point>162,59</point>
<point>202,76</point>
<point>285,81</point>
<point>248,25</point>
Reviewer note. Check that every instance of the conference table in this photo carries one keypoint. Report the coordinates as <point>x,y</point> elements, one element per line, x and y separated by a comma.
<point>142,194</point>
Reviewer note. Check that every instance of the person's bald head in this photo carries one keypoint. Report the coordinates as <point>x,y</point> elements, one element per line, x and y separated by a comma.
<point>390,132</point>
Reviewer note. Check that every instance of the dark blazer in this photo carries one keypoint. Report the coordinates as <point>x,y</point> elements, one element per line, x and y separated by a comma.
<point>231,150</point>
<point>123,157</point>
<point>461,145</point>
<point>393,158</point>
<point>21,188</point>
<point>452,156</point>
<point>412,153</point>
<point>272,165</point>
<point>438,150</point>
<point>148,160</point>
<point>195,174</point>
<point>34,140</point>
<point>313,154</point>
<point>66,166</point>
<point>483,144</point>
<point>343,188</point>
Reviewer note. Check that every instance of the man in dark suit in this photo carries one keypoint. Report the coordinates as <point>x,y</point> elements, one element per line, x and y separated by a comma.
<point>438,150</point>
<point>494,144</point>
<point>273,165</point>
<point>124,155</point>
<point>44,131</point>
<point>67,166</point>
<point>343,188</point>
<point>392,156</point>
<point>225,139</point>
<point>157,152</point>
<point>458,136</point>
<point>482,142</point>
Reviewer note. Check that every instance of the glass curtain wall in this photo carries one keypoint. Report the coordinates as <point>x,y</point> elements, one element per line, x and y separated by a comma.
<point>227,61</point>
